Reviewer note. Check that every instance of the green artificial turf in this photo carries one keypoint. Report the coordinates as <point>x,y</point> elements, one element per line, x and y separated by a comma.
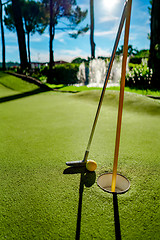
<point>15,84</point>
<point>39,198</point>
<point>74,88</point>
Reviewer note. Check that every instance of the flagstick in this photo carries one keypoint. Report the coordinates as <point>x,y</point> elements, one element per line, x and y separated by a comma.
<point>121,96</point>
<point>106,79</point>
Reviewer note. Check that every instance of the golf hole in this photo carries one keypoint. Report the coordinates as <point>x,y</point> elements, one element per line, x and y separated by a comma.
<point>105,181</point>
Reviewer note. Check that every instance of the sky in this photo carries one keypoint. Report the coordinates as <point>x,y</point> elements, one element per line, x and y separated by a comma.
<point>107,17</point>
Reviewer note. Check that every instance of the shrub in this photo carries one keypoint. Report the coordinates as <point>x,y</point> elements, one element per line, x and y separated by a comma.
<point>43,79</point>
<point>44,70</point>
<point>65,73</point>
<point>132,65</point>
<point>79,60</point>
<point>62,73</point>
<point>140,77</point>
<point>135,60</point>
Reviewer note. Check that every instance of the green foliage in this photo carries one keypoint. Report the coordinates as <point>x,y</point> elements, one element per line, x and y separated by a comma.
<point>71,12</point>
<point>80,31</point>
<point>9,18</point>
<point>61,74</point>
<point>136,56</point>
<point>35,74</point>
<point>79,60</point>
<point>132,65</point>
<point>10,64</point>
<point>33,15</point>
<point>65,73</point>
<point>135,60</point>
<point>139,76</point>
<point>131,50</point>
<point>144,53</point>
<point>43,79</point>
<point>44,70</point>
<point>150,7</point>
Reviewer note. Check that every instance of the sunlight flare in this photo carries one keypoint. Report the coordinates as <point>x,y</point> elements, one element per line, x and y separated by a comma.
<point>109,4</point>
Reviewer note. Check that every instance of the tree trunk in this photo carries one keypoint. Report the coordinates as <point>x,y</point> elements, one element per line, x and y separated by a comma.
<point>50,43</point>
<point>92,29</point>
<point>20,32</point>
<point>29,54</point>
<point>3,39</point>
<point>154,59</point>
<point>50,34</point>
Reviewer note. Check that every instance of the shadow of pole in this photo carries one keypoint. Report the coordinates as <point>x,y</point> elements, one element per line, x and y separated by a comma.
<point>116,218</point>
<point>87,179</point>
<point>81,188</point>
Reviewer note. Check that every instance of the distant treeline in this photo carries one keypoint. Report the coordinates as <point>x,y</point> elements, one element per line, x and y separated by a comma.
<point>10,64</point>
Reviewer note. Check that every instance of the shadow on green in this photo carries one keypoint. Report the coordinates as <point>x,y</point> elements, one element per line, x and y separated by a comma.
<point>22,95</point>
<point>116,217</point>
<point>87,179</point>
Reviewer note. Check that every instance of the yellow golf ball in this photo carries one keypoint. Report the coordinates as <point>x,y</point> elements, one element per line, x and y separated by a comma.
<point>91,165</point>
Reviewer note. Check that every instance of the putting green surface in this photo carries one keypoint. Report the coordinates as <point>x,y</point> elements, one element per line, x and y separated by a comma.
<point>40,131</point>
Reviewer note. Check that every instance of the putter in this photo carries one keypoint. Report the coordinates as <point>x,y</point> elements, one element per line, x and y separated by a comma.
<point>83,162</point>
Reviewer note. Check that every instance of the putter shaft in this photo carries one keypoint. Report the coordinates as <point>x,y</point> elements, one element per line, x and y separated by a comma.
<point>82,163</point>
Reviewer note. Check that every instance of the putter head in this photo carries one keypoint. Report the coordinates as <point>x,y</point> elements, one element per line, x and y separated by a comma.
<point>76,163</point>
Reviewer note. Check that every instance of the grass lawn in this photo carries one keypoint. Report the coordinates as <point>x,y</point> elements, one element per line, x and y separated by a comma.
<point>72,88</point>
<point>40,131</point>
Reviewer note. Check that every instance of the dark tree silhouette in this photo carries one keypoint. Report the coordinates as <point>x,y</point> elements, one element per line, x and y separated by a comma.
<point>34,20</point>
<point>154,58</point>
<point>2,33</point>
<point>3,38</point>
<point>17,14</point>
<point>33,17</point>
<point>71,16</point>
<point>131,50</point>
<point>92,29</point>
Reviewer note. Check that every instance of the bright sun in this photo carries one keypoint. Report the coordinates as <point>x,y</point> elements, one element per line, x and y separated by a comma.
<point>109,4</point>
